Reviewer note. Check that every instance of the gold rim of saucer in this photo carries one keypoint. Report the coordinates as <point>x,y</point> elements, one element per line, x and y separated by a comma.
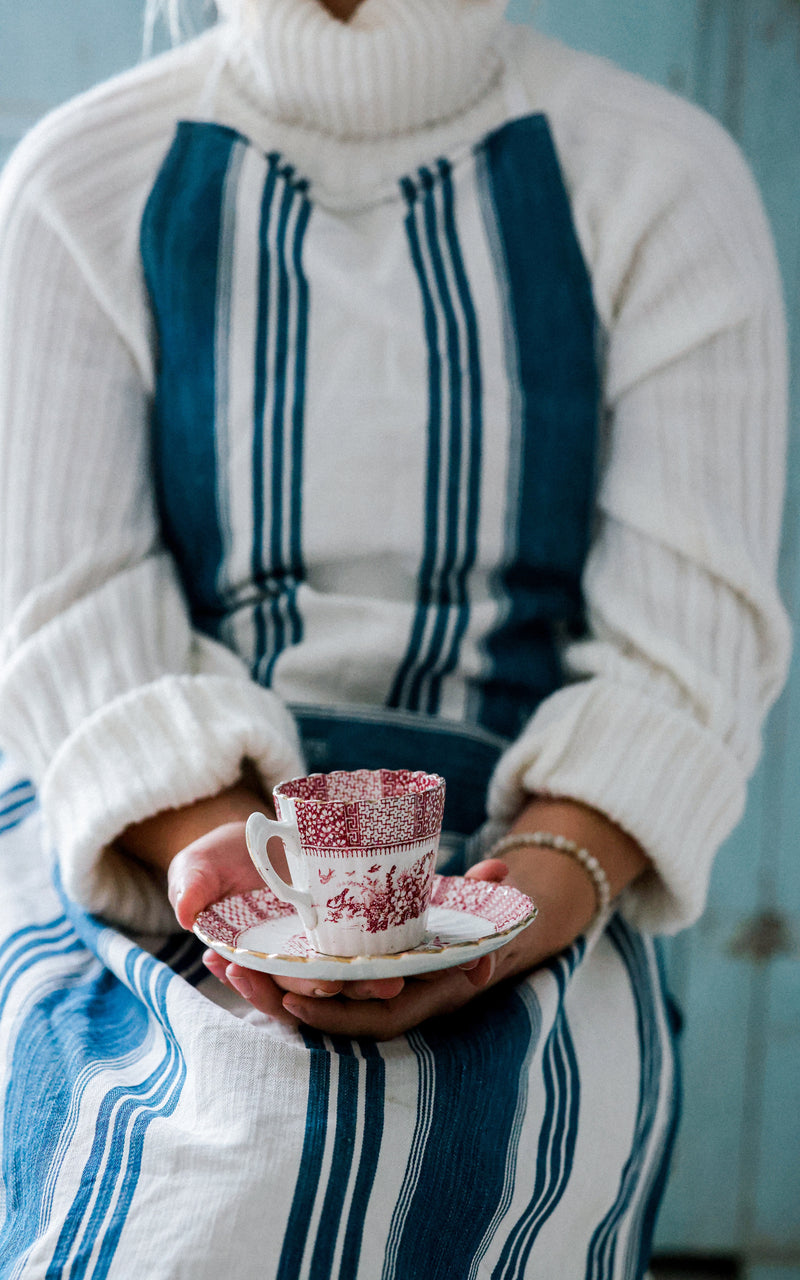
<point>316,956</point>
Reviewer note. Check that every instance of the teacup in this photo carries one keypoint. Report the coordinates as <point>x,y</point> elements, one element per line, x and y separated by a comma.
<point>361,850</point>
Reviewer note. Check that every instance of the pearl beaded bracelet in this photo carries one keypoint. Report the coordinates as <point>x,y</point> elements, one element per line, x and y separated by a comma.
<point>549,840</point>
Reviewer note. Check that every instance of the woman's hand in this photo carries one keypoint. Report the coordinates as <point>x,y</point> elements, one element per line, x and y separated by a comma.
<point>216,865</point>
<point>203,851</point>
<point>560,888</point>
<point>564,910</point>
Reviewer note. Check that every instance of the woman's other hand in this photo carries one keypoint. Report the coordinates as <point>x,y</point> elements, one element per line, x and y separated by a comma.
<point>558,885</point>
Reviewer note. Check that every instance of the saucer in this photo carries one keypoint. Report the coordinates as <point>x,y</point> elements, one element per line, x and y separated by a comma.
<point>467,919</point>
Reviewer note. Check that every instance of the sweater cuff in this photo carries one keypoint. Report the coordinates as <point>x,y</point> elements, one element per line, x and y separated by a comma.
<point>652,770</point>
<point>159,747</point>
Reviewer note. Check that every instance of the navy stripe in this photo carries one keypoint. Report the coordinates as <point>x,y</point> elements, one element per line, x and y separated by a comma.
<point>553,370</point>
<point>81,1023</point>
<point>471,1125</point>
<point>644,1172</point>
<point>441,584</point>
<point>448,551</point>
<point>22,945</point>
<point>283,570</point>
<point>120,1021</point>
<point>279,569</point>
<point>263,328</point>
<point>296,1233</point>
<point>652,1200</point>
<point>109,1026</point>
<point>475,442</point>
<point>398,693</point>
<point>23,801</point>
<point>18,803</point>
<point>60,1032</point>
<point>287,562</point>
<point>510,1175</point>
<point>180,255</point>
<point>298,404</point>
<point>419,1140</point>
<point>23,785</point>
<point>374,1109</point>
<point>341,1160</point>
<point>139,1106</point>
<point>557,1135</point>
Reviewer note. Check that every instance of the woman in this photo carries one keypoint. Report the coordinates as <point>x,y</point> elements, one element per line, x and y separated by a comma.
<point>380,385</point>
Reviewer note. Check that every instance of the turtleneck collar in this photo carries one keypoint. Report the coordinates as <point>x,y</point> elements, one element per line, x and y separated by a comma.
<point>396,66</point>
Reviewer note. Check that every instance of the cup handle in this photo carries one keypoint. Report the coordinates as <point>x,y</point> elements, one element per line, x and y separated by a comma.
<point>258,831</point>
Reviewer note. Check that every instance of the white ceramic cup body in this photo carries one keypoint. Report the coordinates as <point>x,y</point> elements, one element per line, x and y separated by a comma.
<point>359,897</point>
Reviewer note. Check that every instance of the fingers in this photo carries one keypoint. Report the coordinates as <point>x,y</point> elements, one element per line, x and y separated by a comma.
<point>354,1009</point>
<point>479,975</point>
<point>493,869</point>
<point>374,989</point>
<point>384,1019</point>
<point>209,869</point>
<point>314,988</point>
<point>246,982</point>
<point>257,988</point>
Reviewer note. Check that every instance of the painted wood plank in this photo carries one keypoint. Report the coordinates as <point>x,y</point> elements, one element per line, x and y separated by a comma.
<point>759,100</point>
<point>653,39</point>
<point>56,50</point>
<point>701,1206</point>
<point>778,1272</point>
<point>775,1185</point>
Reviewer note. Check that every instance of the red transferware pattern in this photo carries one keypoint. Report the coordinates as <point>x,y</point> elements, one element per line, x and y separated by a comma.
<point>366,809</point>
<point>501,906</point>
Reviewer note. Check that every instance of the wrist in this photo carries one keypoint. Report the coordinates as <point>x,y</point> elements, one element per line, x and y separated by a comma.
<point>618,854</point>
<point>562,892</point>
<point>156,840</point>
<point>568,885</point>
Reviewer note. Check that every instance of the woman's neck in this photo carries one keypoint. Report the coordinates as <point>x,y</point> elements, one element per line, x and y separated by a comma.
<point>367,68</point>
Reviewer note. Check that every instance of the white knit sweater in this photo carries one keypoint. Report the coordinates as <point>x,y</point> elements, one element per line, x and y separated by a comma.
<point>109,698</point>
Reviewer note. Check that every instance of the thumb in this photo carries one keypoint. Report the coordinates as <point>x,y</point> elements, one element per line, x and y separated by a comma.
<point>208,869</point>
<point>191,887</point>
<point>493,869</point>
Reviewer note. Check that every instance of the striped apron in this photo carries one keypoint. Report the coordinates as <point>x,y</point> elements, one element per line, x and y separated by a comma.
<point>151,1126</point>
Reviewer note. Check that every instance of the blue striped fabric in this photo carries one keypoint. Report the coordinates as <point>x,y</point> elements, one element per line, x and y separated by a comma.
<point>277,556</point>
<point>451,1153</point>
<point>471,1117</point>
<point>448,1153</point>
<point>17,802</point>
<point>553,341</point>
<point>180,253</point>
<point>193,267</point>
<point>189,271</point>
<point>556,1146</point>
<point>643,1177</point>
<point>77,1025</point>
<point>442,605</point>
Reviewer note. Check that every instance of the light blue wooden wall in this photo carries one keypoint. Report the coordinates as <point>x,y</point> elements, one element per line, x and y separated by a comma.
<point>736,1181</point>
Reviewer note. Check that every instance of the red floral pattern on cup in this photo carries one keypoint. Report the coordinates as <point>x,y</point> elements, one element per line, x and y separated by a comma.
<point>384,898</point>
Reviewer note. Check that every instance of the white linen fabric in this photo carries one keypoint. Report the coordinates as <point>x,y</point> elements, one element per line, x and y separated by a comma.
<point>147,1130</point>
<point>137,673</point>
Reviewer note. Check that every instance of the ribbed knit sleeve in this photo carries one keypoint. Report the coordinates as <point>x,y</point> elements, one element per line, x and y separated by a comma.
<point>660,724</point>
<point>108,697</point>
